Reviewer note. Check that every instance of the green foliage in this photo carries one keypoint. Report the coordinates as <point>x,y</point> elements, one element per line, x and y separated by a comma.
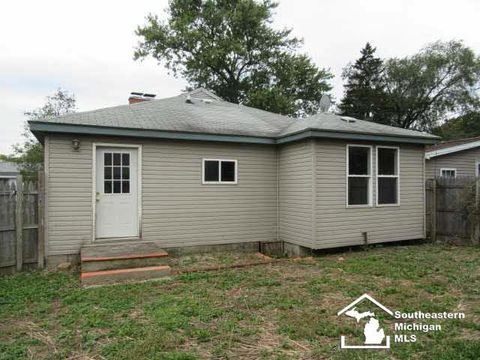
<point>364,89</point>
<point>461,127</point>
<point>422,90</point>
<point>229,47</point>
<point>286,310</point>
<point>29,155</point>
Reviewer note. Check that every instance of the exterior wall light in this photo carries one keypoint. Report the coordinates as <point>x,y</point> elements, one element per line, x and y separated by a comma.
<point>75,144</point>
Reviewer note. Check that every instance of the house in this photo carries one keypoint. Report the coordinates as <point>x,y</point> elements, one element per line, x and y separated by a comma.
<point>8,173</point>
<point>456,158</point>
<point>194,171</point>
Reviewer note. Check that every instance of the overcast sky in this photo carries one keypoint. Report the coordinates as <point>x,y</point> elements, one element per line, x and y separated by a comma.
<point>86,46</point>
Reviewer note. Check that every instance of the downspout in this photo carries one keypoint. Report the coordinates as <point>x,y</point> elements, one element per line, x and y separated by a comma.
<point>314,195</point>
<point>277,157</point>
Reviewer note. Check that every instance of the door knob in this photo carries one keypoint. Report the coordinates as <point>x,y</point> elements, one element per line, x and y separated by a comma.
<point>97,196</point>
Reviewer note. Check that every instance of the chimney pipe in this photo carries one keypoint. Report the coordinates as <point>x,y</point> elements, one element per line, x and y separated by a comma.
<point>137,97</point>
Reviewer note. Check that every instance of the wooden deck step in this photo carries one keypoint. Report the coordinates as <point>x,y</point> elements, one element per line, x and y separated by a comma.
<point>105,277</point>
<point>121,256</point>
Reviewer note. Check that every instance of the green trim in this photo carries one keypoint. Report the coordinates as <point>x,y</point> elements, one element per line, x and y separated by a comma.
<point>143,133</point>
<point>353,136</point>
<point>39,128</point>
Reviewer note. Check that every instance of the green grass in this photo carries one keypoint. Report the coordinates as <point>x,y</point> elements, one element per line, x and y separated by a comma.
<point>282,311</point>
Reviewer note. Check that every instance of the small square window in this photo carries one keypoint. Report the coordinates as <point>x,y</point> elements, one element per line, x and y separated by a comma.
<point>228,171</point>
<point>211,170</point>
<point>448,173</point>
<point>220,171</point>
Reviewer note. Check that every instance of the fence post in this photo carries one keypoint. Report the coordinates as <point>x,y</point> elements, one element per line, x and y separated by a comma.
<point>476,225</point>
<point>19,222</point>
<point>433,211</point>
<point>40,221</point>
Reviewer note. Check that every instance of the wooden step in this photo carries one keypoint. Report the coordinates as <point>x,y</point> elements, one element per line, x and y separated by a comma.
<point>92,278</point>
<point>121,256</point>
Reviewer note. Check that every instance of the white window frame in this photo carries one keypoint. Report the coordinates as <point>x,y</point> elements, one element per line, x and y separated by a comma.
<point>220,182</point>
<point>370,170</point>
<point>448,169</point>
<point>397,176</point>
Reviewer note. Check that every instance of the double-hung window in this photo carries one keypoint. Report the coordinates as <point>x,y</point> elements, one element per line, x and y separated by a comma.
<point>388,170</point>
<point>219,171</point>
<point>359,175</point>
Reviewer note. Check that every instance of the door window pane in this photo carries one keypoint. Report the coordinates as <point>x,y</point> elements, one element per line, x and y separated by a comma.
<point>116,159</point>
<point>211,170</point>
<point>125,187</point>
<point>116,172</point>
<point>107,187</point>
<point>228,171</point>
<point>117,187</point>
<point>107,158</point>
<point>125,159</point>
<point>125,173</point>
<point>108,172</point>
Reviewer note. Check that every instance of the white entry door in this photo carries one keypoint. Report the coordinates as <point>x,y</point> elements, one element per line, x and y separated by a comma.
<point>116,192</point>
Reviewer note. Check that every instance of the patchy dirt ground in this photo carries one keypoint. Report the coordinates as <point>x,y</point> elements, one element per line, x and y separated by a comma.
<point>285,310</point>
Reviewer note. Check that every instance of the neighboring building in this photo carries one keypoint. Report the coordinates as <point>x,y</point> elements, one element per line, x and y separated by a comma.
<point>194,170</point>
<point>456,158</point>
<point>8,172</point>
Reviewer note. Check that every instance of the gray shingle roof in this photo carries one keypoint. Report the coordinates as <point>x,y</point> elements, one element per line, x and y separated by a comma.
<point>208,114</point>
<point>8,168</point>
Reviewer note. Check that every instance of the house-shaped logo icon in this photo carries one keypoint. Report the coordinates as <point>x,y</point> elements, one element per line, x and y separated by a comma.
<point>374,335</point>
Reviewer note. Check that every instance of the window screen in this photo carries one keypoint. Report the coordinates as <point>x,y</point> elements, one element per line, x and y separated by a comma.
<point>387,176</point>
<point>358,175</point>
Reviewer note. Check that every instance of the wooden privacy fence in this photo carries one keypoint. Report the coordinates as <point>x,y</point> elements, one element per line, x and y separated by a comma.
<point>21,225</point>
<point>452,209</point>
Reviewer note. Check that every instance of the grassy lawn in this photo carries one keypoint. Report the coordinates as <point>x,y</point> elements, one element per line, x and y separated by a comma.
<point>281,311</point>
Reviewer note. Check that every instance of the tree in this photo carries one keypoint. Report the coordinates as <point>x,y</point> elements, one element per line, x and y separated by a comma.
<point>461,127</point>
<point>415,92</point>
<point>427,88</point>
<point>364,92</point>
<point>29,155</point>
<point>228,46</point>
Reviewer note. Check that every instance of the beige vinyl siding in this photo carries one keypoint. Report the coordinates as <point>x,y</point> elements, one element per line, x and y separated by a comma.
<point>338,225</point>
<point>463,161</point>
<point>69,196</point>
<point>177,209</point>
<point>295,193</point>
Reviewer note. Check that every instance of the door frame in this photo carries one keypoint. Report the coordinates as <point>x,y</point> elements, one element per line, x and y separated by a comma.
<point>94,186</point>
